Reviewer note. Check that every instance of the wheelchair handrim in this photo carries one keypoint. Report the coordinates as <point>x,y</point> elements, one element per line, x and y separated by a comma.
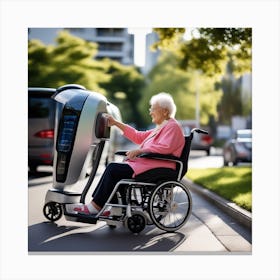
<point>170,213</point>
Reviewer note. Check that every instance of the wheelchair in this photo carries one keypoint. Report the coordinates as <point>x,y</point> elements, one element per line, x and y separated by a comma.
<point>156,197</point>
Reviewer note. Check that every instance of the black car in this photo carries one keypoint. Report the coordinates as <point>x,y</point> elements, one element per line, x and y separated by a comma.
<point>239,148</point>
<point>41,119</point>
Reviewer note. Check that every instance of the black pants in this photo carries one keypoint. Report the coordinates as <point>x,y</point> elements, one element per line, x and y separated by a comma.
<point>113,173</point>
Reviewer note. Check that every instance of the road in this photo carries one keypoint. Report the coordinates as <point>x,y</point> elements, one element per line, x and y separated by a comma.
<point>208,230</point>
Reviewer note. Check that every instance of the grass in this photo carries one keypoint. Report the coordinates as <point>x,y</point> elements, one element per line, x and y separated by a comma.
<point>232,183</point>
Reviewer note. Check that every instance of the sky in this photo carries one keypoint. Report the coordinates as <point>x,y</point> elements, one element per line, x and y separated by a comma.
<point>139,44</point>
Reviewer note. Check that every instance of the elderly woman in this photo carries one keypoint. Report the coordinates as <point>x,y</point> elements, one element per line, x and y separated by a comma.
<point>166,138</point>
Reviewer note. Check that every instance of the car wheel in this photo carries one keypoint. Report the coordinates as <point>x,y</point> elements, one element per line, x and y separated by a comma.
<point>33,168</point>
<point>234,160</point>
<point>225,162</point>
<point>227,157</point>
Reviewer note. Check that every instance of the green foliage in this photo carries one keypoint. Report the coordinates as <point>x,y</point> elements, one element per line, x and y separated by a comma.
<point>70,61</point>
<point>232,102</point>
<point>167,76</point>
<point>169,38</point>
<point>232,183</point>
<point>221,54</point>
<point>124,89</point>
<point>210,49</point>
<point>238,44</point>
<point>197,54</point>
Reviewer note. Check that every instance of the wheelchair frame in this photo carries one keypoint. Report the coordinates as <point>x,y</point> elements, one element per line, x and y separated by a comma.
<point>167,213</point>
<point>140,211</point>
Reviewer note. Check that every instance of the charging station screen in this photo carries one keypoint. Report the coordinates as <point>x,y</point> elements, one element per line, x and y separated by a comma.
<point>67,133</point>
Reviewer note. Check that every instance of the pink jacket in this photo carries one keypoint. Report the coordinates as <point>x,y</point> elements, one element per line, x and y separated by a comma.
<point>169,139</point>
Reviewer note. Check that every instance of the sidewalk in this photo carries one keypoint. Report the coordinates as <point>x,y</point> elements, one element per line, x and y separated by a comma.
<point>241,215</point>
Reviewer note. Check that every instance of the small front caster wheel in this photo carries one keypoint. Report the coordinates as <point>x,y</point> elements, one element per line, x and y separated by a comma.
<point>136,223</point>
<point>52,211</point>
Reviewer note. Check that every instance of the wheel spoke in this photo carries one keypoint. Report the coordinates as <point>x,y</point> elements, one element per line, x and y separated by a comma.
<point>170,206</point>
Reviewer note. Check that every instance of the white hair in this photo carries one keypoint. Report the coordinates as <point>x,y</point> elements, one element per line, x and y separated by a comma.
<point>165,101</point>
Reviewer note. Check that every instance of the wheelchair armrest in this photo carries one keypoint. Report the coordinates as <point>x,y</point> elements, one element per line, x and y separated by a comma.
<point>121,153</point>
<point>159,156</point>
<point>151,156</point>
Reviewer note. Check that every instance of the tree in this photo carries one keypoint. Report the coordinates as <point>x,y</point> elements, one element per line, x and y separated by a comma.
<point>231,103</point>
<point>69,61</point>
<point>124,89</point>
<point>167,76</point>
<point>209,49</point>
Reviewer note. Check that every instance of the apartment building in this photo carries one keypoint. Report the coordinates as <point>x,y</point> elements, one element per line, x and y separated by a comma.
<point>151,57</point>
<point>114,43</point>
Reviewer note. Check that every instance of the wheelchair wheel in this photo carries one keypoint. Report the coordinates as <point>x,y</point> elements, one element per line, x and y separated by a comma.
<point>52,211</point>
<point>136,223</point>
<point>170,205</point>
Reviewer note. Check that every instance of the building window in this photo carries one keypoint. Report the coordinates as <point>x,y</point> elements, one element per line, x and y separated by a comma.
<point>76,30</point>
<point>110,32</point>
<point>110,46</point>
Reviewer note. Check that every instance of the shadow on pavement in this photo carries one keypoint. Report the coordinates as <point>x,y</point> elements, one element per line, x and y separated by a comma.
<point>49,237</point>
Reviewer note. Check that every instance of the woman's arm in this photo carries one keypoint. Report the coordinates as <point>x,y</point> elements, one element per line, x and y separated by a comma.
<point>112,121</point>
<point>131,133</point>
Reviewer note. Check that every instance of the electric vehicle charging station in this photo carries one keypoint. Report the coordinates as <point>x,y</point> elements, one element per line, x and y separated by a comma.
<point>80,134</point>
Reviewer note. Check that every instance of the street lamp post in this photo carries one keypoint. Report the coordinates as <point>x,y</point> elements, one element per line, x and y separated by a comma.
<point>197,99</point>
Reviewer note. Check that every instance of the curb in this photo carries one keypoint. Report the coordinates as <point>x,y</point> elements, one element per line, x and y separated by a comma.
<point>241,215</point>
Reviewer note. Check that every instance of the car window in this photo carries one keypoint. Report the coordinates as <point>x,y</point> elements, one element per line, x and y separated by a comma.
<point>39,107</point>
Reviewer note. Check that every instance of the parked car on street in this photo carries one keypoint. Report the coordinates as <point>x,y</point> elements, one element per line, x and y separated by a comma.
<point>41,118</point>
<point>238,148</point>
<point>202,142</point>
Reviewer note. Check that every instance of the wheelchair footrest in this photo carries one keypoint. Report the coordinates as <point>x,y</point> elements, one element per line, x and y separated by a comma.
<point>82,218</point>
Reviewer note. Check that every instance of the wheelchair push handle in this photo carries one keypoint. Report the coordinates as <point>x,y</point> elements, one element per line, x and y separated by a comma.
<point>199,130</point>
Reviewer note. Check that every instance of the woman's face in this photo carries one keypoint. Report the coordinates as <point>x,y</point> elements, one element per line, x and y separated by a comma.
<point>158,114</point>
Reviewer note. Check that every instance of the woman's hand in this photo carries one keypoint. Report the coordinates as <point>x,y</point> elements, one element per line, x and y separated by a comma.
<point>110,119</point>
<point>133,154</point>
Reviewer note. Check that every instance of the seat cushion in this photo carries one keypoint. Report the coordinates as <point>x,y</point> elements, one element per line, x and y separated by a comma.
<point>157,174</point>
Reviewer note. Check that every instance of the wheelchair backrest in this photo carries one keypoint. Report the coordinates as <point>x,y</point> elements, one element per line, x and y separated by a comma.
<point>185,154</point>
